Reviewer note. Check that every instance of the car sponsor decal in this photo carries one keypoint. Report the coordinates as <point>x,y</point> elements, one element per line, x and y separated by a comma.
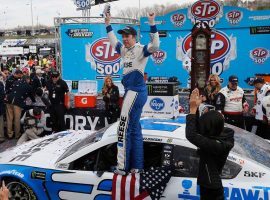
<point>254,174</point>
<point>12,172</point>
<point>230,193</point>
<point>38,175</point>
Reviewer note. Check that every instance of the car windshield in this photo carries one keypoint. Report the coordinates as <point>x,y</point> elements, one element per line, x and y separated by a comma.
<point>95,137</point>
<point>251,146</point>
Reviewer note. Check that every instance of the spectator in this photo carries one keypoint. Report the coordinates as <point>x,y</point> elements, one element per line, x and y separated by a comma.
<point>33,121</point>
<point>232,103</point>
<point>5,73</point>
<point>266,111</point>
<point>214,143</point>
<point>111,98</point>
<point>3,192</point>
<point>263,90</point>
<point>46,74</point>
<point>15,103</point>
<point>212,88</point>
<point>13,78</point>
<point>2,97</point>
<point>38,81</point>
<point>57,89</point>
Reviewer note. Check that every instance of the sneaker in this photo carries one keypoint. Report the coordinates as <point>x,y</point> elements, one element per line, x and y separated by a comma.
<point>120,172</point>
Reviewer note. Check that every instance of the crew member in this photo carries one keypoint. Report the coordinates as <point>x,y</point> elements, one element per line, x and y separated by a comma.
<point>34,122</point>
<point>111,98</point>
<point>16,103</point>
<point>263,90</point>
<point>58,89</point>
<point>232,103</point>
<point>135,56</point>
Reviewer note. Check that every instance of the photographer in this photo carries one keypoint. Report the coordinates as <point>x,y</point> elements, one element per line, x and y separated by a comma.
<point>34,121</point>
<point>214,143</point>
<point>111,98</point>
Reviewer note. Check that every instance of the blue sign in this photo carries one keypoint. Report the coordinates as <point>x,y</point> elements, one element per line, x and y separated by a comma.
<point>87,53</point>
<point>234,47</point>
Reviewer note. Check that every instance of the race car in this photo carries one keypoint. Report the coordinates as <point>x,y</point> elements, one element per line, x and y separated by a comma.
<point>79,164</point>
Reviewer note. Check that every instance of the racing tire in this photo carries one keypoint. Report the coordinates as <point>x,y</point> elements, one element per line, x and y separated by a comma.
<point>18,190</point>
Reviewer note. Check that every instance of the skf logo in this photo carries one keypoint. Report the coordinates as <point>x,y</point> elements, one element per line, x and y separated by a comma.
<point>84,100</point>
<point>127,64</point>
<point>223,50</point>
<point>178,19</point>
<point>103,58</point>
<point>259,55</point>
<point>157,104</point>
<point>234,17</point>
<point>208,11</point>
<point>159,56</point>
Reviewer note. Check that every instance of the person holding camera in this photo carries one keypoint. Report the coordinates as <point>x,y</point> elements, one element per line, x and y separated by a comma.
<point>214,142</point>
<point>34,122</point>
<point>111,98</point>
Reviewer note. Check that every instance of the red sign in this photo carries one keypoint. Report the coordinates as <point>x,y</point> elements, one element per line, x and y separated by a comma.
<point>205,9</point>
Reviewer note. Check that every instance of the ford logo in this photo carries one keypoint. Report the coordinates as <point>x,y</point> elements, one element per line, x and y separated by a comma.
<point>157,104</point>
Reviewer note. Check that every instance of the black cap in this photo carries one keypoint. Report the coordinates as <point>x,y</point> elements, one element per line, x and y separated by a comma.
<point>55,73</point>
<point>233,79</point>
<point>18,71</point>
<point>258,80</point>
<point>127,30</point>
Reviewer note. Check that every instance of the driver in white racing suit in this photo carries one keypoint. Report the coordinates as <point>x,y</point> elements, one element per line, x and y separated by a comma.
<point>135,56</point>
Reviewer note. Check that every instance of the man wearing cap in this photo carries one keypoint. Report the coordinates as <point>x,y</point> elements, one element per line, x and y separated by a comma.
<point>232,103</point>
<point>38,80</point>
<point>34,122</point>
<point>263,90</point>
<point>57,89</point>
<point>11,79</point>
<point>16,103</point>
<point>134,56</point>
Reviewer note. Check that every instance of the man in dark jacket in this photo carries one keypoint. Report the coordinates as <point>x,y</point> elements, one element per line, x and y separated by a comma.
<point>12,79</point>
<point>16,102</point>
<point>214,143</point>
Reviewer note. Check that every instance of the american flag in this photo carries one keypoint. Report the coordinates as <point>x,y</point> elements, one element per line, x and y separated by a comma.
<point>141,186</point>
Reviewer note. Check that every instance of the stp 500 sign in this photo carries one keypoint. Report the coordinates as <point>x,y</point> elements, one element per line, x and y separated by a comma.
<point>205,11</point>
<point>104,59</point>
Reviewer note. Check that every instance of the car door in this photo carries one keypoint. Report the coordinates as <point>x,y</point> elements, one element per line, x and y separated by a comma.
<point>88,177</point>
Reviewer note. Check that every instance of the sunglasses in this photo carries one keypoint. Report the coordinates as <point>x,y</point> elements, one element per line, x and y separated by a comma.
<point>55,76</point>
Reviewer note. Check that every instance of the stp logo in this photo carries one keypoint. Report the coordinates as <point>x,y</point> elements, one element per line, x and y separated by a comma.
<point>157,104</point>
<point>259,55</point>
<point>178,19</point>
<point>223,50</point>
<point>209,11</point>
<point>159,56</point>
<point>234,17</point>
<point>103,58</point>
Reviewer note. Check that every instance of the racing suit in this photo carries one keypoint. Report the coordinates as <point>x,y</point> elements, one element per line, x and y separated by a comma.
<point>231,103</point>
<point>263,129</point>
<point>130,141</point>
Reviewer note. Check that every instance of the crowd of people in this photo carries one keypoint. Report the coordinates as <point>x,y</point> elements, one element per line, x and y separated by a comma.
<point>25,92</point>
<point>232,103</point>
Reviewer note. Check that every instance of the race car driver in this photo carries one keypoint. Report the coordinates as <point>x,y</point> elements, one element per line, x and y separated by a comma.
<point>232,103</point>
<point>135,56</point>
<point>263,129</point>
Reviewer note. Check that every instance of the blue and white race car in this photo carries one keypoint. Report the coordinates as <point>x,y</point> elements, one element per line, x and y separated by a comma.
<point>78,164</point>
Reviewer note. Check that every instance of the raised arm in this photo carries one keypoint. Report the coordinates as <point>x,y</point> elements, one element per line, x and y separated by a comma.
<point>153,45</point>
<point>112,38</point>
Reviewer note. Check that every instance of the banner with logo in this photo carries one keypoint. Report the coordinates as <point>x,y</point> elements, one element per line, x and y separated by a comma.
<point>239,42</point>
<point>87,54</point>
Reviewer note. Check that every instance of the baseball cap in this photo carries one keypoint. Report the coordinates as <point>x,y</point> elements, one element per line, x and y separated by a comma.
<point>127,30</point>
<point>233,79</point>
<point>258,80</point>
<point>55,73</point>
<point>18,71</point>
<point>39,71</point>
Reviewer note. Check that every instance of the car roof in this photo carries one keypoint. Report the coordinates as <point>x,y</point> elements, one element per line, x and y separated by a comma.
<point>159,128</point>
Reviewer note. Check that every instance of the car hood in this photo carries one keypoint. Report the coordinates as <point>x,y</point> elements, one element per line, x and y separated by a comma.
<point>43,152</point>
